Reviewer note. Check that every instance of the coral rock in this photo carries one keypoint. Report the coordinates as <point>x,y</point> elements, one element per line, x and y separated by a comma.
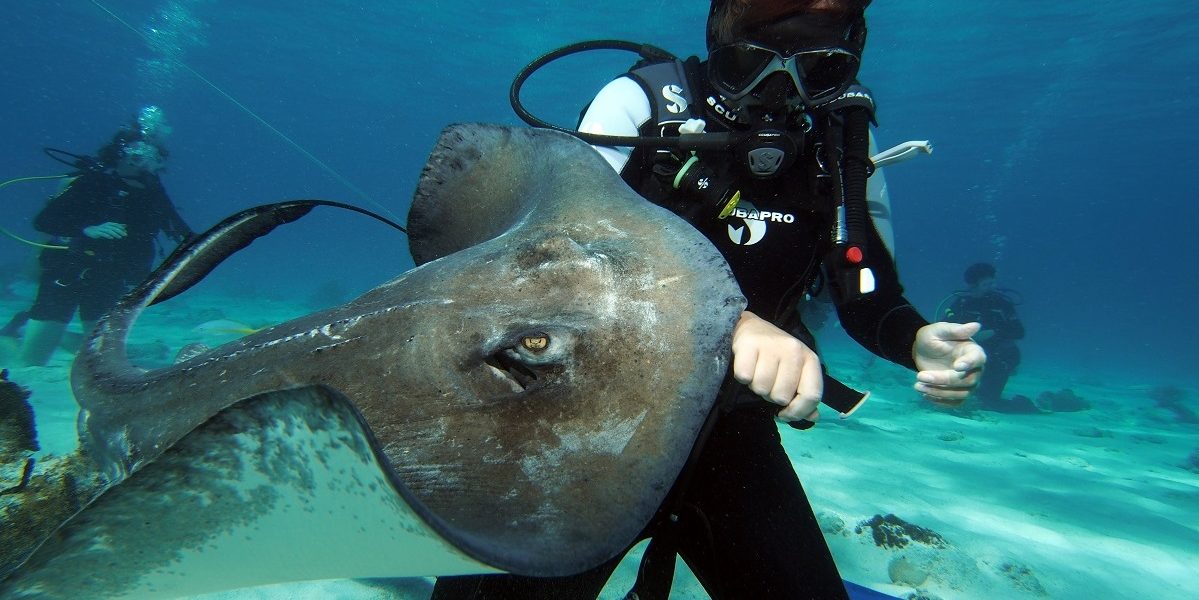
<point>891,531</point>
<point>1063,401</point>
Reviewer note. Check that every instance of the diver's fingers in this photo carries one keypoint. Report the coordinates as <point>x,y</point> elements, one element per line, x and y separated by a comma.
<point>948,378</point>
<point>960,331</point>
<point>787,380</point>
<point>971,357</point>
<point>745,363</point>
<point>944,331</point>
<point>947,396</point>
<point>766,373</point>
<point>807,398</point>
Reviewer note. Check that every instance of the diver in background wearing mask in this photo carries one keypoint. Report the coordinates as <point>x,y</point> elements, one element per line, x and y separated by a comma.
<point>781,75</point>
<point>995,308</point>
<point>107,218</point>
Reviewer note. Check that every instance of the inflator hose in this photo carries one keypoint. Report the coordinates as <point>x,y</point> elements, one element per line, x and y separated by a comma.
<point>857,168</point>
<point>691,141</point>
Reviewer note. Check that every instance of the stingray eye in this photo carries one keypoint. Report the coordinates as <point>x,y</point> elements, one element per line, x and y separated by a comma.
<point>536,343</point>
<point>528,358</point>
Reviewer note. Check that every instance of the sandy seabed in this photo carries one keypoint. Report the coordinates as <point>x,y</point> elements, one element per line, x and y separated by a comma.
<point>916,501</point>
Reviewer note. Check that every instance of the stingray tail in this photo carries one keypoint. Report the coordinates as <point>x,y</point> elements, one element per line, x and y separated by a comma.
<point>110,389</point>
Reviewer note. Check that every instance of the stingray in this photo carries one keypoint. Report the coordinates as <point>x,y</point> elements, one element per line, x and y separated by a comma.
<point>520,401</point>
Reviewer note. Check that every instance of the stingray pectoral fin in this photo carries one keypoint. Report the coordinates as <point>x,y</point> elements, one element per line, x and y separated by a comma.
<point>285,486</point>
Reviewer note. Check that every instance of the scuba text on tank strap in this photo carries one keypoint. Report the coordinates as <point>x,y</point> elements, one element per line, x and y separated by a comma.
<point>671,88</point>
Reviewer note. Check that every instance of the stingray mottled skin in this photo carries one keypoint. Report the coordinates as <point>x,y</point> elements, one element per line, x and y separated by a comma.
<point>531,389</point>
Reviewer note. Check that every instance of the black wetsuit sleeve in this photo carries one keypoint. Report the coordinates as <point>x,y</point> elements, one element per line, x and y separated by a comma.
<point>883,321</point>
<point>67,213</point>
<point>172,224</point>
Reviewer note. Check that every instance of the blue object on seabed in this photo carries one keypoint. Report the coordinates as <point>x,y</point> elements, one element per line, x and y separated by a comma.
<point>857,592</point>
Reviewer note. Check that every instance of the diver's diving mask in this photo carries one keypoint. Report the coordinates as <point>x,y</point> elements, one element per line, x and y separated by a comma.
<point>819,75</point>
<point>142,156</point>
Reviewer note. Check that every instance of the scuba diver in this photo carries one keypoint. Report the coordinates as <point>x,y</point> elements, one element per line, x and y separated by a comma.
<point>783,198</point>
<point>995,309</point>
<point>103,227</point>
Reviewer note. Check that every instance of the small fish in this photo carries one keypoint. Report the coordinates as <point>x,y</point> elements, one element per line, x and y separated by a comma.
<point>225,326</point>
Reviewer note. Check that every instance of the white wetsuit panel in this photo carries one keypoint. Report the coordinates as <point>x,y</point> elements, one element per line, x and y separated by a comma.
<point>620,108</point>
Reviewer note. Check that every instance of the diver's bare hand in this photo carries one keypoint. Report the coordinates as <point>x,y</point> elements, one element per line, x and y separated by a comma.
<point>777,367</point>
<point>106,231</point>
<point>949,361</point>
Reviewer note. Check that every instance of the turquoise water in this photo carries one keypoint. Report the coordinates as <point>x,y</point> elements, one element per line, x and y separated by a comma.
<point>1062,131</point>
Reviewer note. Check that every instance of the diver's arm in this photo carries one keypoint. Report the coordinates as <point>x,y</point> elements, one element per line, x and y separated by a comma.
<point>882,321</point>
<point>172,224</point>
<point>620,108</point>
<point>947,362</point>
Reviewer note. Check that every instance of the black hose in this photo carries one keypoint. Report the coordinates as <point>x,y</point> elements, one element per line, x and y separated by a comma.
<point>81,162</point>
<point>697,141</point>
<point>856,170</point>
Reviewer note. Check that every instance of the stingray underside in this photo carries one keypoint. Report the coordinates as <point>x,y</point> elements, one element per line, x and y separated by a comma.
<point>286,486</point>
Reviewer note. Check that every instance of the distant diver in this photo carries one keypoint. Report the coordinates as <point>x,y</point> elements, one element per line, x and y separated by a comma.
<point>103,229</point>
<point>995,309</point>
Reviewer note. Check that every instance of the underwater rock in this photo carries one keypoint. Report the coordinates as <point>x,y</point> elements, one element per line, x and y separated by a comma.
<point>18,432</point>
<point>1021,404</point>
<point>1192,463</point>
<point>922,595</point>
<point>1171,398</point>
<point>1063,401</point>
<point>906,571</point>
<point>951,436</point>
<point>1023,578</point>
<point>51,494</point>
<point>831,523</point>
<point>891,531</point>
<point>36,495</point>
